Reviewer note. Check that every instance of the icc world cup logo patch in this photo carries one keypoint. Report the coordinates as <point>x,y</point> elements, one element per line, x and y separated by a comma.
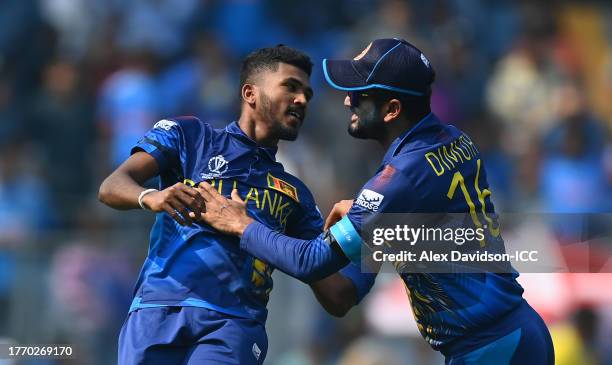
<point>217,166</point>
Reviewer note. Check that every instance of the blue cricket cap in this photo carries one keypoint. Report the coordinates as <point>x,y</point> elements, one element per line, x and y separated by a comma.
<point>391,64</point>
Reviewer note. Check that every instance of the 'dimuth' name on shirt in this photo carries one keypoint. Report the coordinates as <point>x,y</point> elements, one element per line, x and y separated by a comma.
<point>451,155</point>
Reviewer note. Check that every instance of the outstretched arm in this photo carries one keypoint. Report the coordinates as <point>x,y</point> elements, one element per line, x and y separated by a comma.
<point>307,260</point>
<point>310,261</point>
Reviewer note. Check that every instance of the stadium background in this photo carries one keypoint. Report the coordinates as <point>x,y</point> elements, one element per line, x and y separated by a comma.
<point>81,80</point>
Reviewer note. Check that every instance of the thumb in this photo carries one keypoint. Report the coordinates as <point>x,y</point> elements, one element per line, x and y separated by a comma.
<point>236,196</point>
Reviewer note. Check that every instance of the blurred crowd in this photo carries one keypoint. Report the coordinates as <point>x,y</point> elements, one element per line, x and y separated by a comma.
<point>82,80</point>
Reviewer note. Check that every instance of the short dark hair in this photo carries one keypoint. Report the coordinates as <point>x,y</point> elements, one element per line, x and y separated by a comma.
<point>267,59</point>
<point>412,106</point>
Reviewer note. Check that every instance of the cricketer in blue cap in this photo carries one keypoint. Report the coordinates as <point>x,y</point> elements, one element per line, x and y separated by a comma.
<point>386,69</point>
<point>387,64</point>
<point>476,318</point>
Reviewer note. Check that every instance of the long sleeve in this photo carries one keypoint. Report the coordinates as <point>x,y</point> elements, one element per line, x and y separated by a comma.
<point>306,260</point>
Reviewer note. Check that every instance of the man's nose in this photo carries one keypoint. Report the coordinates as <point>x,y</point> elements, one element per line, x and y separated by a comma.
<point>300,99</point>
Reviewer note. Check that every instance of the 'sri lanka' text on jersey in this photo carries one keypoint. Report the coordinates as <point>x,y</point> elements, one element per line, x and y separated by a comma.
<point>195,265</point>
<point>278,205</point>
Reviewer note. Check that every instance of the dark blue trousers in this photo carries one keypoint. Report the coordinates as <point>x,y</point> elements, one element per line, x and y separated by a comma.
<point>190,336</point>
<point>519,338</point>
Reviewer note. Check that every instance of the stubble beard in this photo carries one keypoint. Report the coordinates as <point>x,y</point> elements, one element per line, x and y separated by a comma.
<point>277,129</point>
<point>368,126</point>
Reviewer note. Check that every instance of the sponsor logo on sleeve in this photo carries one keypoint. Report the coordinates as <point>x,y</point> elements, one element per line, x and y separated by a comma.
<point>165,124</point>
<point>369,200</point>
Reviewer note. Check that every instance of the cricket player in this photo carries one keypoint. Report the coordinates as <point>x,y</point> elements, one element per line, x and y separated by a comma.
<point>475,318</point>
<point>199,298</point>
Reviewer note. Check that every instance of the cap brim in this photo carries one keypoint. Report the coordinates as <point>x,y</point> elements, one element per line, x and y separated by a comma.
<point>341,75</point>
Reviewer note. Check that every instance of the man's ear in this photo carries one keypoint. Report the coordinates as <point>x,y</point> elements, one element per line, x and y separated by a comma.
<point>249,92</point>
<point>392,110</point>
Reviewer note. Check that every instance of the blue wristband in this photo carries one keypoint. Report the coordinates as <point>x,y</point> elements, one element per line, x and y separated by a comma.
<point>348,239</point>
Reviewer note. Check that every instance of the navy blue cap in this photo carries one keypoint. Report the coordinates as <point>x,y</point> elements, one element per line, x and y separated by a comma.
<point>391,64</point>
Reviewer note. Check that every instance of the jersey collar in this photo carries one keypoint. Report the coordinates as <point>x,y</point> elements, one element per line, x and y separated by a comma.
<point>404,137</point>
<point>234,129</point>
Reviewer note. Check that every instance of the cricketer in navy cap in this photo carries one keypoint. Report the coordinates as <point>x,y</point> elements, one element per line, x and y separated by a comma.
<point>390,63</point>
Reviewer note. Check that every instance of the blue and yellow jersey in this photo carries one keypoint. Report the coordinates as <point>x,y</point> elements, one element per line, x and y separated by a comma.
<point>436,168</point>
<point>196,265</point>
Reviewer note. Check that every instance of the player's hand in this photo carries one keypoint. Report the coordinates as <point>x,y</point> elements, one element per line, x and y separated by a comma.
<point>339,210</point>
<point>226,216</point>
<point>182,202</point>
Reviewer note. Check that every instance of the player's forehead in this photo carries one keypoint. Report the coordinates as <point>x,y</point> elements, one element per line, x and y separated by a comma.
<point>284,72</point>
